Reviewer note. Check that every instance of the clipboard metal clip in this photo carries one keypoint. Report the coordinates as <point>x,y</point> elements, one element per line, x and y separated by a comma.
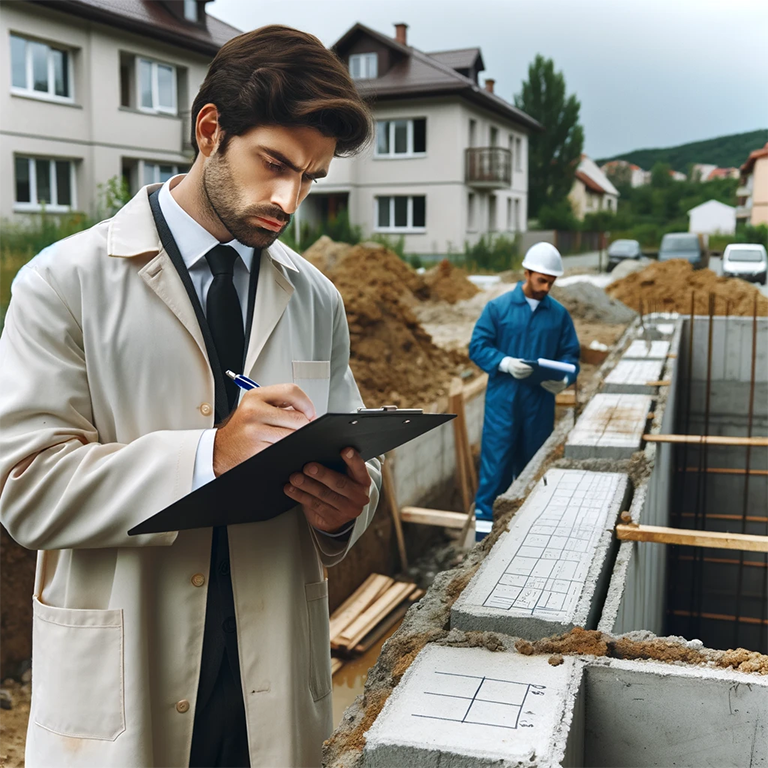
<point>390,409</point>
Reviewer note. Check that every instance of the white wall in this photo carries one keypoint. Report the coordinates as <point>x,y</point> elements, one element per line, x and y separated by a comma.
<point>94,131</point>
<point>439,176</point>
<point>712,220</point>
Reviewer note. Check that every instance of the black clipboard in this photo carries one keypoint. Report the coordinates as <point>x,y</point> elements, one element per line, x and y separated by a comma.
<point>253,491</point>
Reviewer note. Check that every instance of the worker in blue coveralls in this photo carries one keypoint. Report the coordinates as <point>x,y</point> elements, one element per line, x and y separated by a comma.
<point>524,324</point>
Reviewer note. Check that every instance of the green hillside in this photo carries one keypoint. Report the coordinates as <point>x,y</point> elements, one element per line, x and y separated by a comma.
<point>724,151</point>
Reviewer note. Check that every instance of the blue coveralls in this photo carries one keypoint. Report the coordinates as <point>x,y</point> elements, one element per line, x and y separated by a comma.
<point>519,415</point>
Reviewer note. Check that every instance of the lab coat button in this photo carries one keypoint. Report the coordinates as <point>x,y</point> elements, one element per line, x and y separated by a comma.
<point>198,579</point>
<point>224,567</point>
<point>182,706</point>
<point>229,624</point>
<point>205,409</point>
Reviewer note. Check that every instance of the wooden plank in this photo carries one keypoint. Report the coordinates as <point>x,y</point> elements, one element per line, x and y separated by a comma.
<point>359,628</point>
<point>336,665</point>
<point>567,397</point>
<point>382,628</point>
<point>725,471</point>
<point>476,387</point>
<point>389,491</point>
<point>707,439</point>
<point>441,517</point>
<point>710,539</point>
<point>662,383</point>
<point>456,405</point>
<point>721,617</point>
<point>369,591</point>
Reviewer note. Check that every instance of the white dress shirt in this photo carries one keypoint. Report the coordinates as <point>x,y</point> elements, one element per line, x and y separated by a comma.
<point>193,242</point>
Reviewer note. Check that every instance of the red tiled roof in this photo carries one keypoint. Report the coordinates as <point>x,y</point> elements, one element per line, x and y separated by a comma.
<point>589,182</point>
<point>151,19</point>
<point>418,74</point>
<point>753,156</point>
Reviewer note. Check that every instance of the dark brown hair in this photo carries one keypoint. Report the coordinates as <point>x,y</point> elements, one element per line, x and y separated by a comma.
<point>276,75</point>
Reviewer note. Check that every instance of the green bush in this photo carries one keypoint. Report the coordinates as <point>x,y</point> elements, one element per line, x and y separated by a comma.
<point>559,216</point>
<point>491,254</point>
<point>339,229</point>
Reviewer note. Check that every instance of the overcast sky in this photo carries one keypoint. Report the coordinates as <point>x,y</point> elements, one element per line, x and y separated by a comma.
<point>648,73</point>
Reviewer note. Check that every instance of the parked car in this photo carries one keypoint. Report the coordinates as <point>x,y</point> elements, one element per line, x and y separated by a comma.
<point>619,250</point>
<point>684,245</point>
<point>747,261</point>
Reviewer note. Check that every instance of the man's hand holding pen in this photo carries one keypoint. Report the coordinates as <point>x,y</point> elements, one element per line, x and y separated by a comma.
<point>330,499</point>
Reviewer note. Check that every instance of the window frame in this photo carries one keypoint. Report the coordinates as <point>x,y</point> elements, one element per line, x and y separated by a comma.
<point>29,91</point>
<point>34,206</point>
<point>156,163</point>
<point>364,61</point>
<point>409,228</point>
<point>409,154</point>
<point>518,166</point>
<point>155,109</point>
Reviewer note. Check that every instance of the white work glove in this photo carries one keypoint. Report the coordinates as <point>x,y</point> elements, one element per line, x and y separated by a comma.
<point>555,387</point>
<point>515,367</point>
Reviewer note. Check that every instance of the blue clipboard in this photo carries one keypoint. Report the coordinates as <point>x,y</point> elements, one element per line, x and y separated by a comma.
<point>544,372</point>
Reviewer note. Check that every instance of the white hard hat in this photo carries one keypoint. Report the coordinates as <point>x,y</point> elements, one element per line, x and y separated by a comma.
<point>544,258</point>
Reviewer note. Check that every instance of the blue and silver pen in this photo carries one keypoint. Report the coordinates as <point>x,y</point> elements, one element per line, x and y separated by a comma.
<point>242,381</point>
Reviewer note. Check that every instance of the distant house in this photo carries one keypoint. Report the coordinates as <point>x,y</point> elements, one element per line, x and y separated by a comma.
<point>450,158</point>
<point>95,90</point>
<point>712,218</point>
<point>707,172</point>
<point>622,169</point>
<point>592,191</point>
<point>724,173</point>
<point>677,176</point>
<point>752,192</point>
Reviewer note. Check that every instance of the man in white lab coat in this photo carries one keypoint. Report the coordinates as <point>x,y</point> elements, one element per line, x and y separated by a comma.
<point>197,647</point>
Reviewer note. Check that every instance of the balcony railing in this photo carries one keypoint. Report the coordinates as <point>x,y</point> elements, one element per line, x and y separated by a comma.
<point>743,211</point>
<point>489,167</point>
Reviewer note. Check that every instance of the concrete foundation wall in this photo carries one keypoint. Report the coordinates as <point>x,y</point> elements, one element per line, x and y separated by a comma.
<point>426,464</point>
<point>655,715</point>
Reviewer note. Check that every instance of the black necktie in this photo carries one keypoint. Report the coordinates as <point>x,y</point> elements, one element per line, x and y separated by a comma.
<point>225,317</point>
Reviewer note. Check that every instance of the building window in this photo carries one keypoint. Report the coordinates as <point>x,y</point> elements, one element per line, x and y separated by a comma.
<point>44,183</point>
<point>156,85</point>
<point>472,132</point>
<point>401,138</point>
<point>518,155</point>
<point>509,214</point>
<point>158,173</point>
<point>401,213</point>
<point>39,70</point>
<point>517,214</point>
<point>493,137</point>
<point>492,213</point>
<point>471,213</point>
<point>512,152</point>
<point>364,66</point>
<point>190,10</point>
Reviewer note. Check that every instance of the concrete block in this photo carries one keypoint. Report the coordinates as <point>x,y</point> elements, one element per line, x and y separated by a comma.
<point>631,377</point>
<point>640,349</point>
<point>471,707</point>
<point>544,574</point>
<point>610,427</point>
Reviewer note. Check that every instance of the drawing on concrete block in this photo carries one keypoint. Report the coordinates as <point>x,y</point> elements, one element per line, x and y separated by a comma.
<point>547,571</point>
<point>611,426</point>
<point>477,700</point>
<point>640,349</point>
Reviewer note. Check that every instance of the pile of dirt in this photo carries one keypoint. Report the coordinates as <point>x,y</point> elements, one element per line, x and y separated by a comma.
<point>393,358</point>
<point>324,253</point>
<point>667,286</point>
<point>586,301</point>
<point>449,283</point>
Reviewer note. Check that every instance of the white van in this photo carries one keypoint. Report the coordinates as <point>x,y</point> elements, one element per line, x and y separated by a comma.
<point>747,261</point>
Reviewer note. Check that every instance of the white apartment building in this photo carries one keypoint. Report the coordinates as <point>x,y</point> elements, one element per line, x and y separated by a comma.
<point>450,158</point>
<point>96,89</point>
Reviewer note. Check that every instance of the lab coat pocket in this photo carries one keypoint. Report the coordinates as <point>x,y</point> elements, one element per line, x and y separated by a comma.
<point>319,639</point>
<point>77,681</point>
<point>314,377</point>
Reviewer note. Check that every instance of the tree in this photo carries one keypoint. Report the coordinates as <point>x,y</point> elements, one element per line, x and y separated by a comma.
<point>554,155</point>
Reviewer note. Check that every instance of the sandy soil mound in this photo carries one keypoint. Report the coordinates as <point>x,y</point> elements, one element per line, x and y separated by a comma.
<point>586,301</point>
<point>324,253</point>
<point>393,358</point>
<point>667,286</point>
<point>449,283</point>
